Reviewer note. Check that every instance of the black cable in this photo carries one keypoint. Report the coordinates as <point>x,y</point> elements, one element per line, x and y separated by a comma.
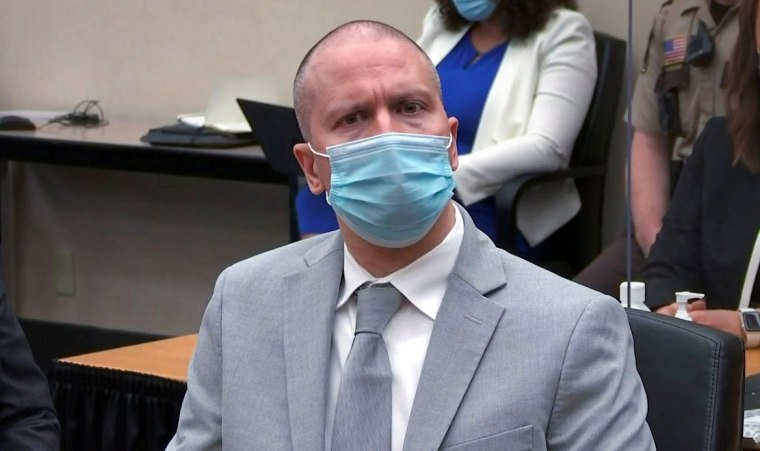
<point>86,113</point>
<point>629,144</point>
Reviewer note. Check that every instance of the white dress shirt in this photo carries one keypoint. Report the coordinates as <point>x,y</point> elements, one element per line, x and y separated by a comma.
<point>407,335</point>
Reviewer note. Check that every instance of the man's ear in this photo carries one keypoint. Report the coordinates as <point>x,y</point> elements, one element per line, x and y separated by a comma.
<point>307,161</point>
<point>453,151</point>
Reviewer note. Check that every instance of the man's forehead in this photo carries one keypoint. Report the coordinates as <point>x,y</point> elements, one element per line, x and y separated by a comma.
<point>359,54</point>
<point>348,57</point>
<point>348,53</point>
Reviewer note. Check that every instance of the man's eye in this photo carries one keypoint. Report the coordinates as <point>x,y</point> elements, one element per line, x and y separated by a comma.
<point>350,119</point>
<point>411,108</point>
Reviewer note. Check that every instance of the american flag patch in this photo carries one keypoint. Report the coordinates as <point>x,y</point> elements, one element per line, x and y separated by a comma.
<point>674,50</point>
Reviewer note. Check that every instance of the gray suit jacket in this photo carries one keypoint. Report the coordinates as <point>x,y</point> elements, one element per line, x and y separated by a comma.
<point>519,358</point>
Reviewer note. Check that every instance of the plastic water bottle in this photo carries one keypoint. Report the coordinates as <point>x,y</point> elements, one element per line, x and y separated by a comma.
<point>638,292</point>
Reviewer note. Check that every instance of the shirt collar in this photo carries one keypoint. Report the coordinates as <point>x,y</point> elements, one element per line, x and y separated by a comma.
<point>425,293</point>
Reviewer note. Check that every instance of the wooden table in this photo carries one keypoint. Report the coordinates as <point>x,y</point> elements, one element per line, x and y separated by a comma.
<point>122,399</point>
<point>167,359</point>
<point>752,362</point>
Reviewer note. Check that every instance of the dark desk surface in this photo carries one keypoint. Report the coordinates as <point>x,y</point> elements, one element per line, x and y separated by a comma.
<point>117,146</point>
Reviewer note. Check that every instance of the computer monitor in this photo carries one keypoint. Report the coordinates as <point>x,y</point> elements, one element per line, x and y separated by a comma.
<point>277,131</point>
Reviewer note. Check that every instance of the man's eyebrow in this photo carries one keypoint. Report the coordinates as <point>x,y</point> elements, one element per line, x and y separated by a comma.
<point>333,112</point>
<point>412,93</point>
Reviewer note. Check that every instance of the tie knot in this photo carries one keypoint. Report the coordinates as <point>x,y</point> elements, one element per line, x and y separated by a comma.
<point>376,304</point>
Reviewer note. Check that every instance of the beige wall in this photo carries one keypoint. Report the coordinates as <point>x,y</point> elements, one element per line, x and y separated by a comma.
<point>158,58</point>
<point>146,259</point>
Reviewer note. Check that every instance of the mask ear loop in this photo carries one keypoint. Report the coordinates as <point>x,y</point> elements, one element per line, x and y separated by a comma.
<point>317,153</point>
<point>327,194</point>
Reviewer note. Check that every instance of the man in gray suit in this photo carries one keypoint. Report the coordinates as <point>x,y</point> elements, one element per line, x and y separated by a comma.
<point>486,351</point>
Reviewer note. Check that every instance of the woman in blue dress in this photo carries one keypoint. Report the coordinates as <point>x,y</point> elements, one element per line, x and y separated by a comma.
<point>519,76</point>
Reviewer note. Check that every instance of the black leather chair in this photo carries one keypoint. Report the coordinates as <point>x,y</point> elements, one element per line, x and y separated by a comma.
<point>579,241</point>
<point>693,376</point>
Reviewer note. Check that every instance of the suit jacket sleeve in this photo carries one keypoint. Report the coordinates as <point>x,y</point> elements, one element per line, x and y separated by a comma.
<point>566,79</point>
<point>600,402</point>
<point>200,420</point>
<point>674,261</point>
<point>27,418</point>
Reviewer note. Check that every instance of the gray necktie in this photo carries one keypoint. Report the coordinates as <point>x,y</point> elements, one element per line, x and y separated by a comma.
<point>363,412</point>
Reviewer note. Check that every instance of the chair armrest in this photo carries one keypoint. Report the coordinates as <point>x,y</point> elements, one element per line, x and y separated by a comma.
<point>509,195</point>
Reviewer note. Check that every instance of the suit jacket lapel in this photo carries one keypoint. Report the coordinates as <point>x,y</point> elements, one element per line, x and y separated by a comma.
<point>463,328</point>
<point>308,326</point>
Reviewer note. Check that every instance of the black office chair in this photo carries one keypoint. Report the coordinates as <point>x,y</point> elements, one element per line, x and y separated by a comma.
<point>693,376</point>
<point>579,241</point>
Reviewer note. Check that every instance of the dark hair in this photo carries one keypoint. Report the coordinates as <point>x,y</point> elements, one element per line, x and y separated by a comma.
<point>519,18</point>
<point>743,96</point>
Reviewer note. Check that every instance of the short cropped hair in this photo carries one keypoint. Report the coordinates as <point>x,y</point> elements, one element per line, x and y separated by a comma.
<point>519,18</point>
<point>362,29</point>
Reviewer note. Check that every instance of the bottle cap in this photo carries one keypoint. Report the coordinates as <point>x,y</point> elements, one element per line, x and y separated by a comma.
<point>682,298</point>
<point>638,292</point>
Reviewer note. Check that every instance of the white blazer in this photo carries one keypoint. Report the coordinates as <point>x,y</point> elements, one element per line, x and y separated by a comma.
<point>530,120</point>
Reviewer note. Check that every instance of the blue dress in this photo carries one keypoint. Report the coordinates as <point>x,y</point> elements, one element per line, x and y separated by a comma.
<point>465,82</point>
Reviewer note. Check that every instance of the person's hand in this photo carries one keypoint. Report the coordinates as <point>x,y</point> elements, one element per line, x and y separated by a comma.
<point>669,309</point>
<point>696,305</point>
<point>727,320</point>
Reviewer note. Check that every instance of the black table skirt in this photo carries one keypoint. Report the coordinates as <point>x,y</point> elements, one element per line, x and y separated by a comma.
<point>101,409</point>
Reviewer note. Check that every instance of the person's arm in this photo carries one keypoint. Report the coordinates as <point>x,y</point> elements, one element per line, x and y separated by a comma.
<point>200,419</point>
<point>674,263</point>
<point>565,86</point>
<point>27,418</point>
<point>650,185</point>
<point>651,149</point>
<point>600,402</point>
<point>725,320</point>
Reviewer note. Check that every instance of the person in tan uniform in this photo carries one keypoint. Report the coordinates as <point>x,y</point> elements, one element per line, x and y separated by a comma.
<point>679,88</point>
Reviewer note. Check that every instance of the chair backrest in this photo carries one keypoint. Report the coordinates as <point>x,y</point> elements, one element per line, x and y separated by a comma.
<point>593,141</point>
<point>592,148</point>
<point>693,376</point>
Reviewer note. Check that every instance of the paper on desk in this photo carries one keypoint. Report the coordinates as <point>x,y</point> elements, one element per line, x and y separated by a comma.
<point>194,119</point>
<point>752,425</point>
<point>199,120</point>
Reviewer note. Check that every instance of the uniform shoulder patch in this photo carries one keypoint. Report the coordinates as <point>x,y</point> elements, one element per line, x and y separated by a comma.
<point>674,50</point>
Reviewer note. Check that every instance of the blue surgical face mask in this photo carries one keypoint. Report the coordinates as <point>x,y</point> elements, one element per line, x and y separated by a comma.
<point>391,188</point>
<point>475,10</point>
